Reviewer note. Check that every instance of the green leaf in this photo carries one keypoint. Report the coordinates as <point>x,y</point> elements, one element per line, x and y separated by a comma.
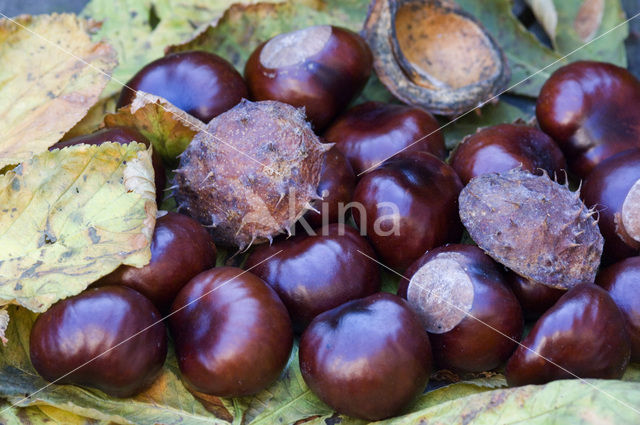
<point>45,91</point>
<point>71,216</point>
<point>166,402</point>
<point>42,415</point>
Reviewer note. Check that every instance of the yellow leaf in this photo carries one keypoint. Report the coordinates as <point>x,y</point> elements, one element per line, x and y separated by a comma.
<point>45,91</point>
<point>71,216</point>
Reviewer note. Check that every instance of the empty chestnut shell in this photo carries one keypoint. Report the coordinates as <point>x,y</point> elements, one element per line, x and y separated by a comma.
<point>607,189</point>
<point>592,110</point>
<point>367,358</point>
<point>122,135</point>
<point>431,53</point>
<point>407,206</point>
<point>622,281</point>
<point>108,338</point>
<point>583,335</point>
<point>180,249</point>
<point>337,183</point>
<point>535,298</point>
<point>504,147</point>
<point>372,132</point>
<point>473,319</point>
<point>321,68</point>
<point>316,273</point>
<point>200,83</point>
<point>233,334</point>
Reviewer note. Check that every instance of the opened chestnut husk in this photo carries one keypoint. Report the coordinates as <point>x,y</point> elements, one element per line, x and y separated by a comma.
<point>431,53</point>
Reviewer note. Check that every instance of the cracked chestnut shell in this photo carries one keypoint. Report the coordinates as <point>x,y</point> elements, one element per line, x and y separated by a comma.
<point>316,273</point>
<point>431,53</point>
<point>370,133</point>
<point>368,358</point>
<point>407,206</point>
<point>93,327</point>
<point>232,333</point>
<point>504,147</point>
<point>321,68</point>
<point>584,333</point>
<point>622,281</point>
<point>180,249</point>
<point>607,189</point>
<point>462,297</point>
<point>337,183</point>
<point>200,83</point>
<point>592,110</point>
<point>122,135</point>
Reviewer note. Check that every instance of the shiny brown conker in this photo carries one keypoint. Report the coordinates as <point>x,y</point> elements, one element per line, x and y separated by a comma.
<point>232,333</point>
<point>316,273</point>
<point>606,189</point>
<point>622,281</point>
<point>592,110</point>
<point>108,338</point>
<point>407,206</point>
<point>200,83</point>
<point>321,68</point>
<point>180,249</point>
<point>504,147</point>
<point>582,335</point>
<point>463,300</point>
<point>122,135</point>
<point>368,358</point>
<point>372,132</point>
<point>535,298</point>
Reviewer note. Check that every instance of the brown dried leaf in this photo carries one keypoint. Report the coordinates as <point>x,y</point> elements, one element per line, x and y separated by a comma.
<point>55,88</point>
<point>169,128</point>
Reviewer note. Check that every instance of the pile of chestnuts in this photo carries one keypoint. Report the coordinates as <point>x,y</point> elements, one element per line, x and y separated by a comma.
<point>386,198</point>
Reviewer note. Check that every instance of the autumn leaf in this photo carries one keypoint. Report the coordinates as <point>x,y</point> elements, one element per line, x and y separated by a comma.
<point>169,128</point>
<point>71,216</point>
<point>56,74</point>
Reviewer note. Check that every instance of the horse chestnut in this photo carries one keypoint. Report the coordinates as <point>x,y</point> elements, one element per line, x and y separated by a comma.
<point>367,358</point>
<point>592,110</point>
<point>506,146</point>
<point>408,205</point>
<point>321,68</point>
<point>200,83</point>
<point>622,281</point>
<point>535,298</point>
<point>122,135</point>
<point>607,189</point>
<point>337,183</point>
<point>108,338</point>
<point>316,273</point>
<point>583,335</point>
<point>180,249</point>
<point>372,132</point>
<point>465,304</point>
<point>233,334</point>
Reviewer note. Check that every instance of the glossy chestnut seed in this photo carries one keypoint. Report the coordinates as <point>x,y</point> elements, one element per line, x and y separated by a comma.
<point>407,206</point>
<point>180,249</point>
<point>465,304</point>
<point>368,358</point>
<point>321,68</point>
<point>535,298</point>
<point>583,333</point>
<point>112,336</point>
<point>233,334</point>
<point>316,273</point>
<point>504,147</point>
<point>606,189</point>
<point>592,110</point>
<point>200,83</point>
<point>370,133</point>
<point>622,281</point>
<point>122,135</point>
<point>337,183</point>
